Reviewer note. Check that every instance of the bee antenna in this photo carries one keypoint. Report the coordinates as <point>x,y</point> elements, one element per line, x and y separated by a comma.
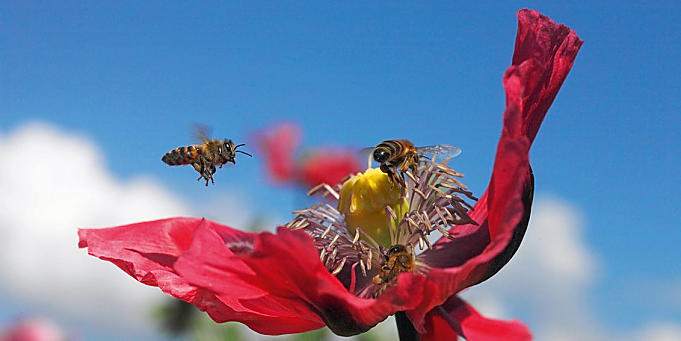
<point>239,151</point>
<point>239,145</point>
<point>425,157</point>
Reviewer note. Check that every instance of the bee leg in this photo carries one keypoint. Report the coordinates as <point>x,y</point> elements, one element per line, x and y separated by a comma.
<point>207,175</point>
<point>208,171</point>
<point>202,169</point>
<point>402,184</point>
<point>385,168</point>
<point>392,175</point>
<point>197,167</point>
<point>202,176</point>
<point>413,168</point>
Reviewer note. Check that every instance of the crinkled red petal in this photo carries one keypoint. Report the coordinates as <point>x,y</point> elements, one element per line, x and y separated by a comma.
<point>277,146</point>
<point>458,318</point>
<point>328,166</point>
<point>287,265</point>
<point>275,284</point>
<point>552,48</point>
<point>151,251</point>
<point>544,55</point>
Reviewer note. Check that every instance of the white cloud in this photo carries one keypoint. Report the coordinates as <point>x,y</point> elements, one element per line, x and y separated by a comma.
<point>53,183</point>
<point>232,210</point>
<point>660,332</point>
<point>546,282</point>
<point>549,273</point>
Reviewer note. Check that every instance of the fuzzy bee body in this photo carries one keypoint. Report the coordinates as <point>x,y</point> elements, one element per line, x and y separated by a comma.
<point>399,258</point>
<point>182,155</point>
<point>403,156</point>
<point>204,157</point>
<point>396,155</point>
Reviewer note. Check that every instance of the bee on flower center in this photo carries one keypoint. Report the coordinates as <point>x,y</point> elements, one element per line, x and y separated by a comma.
<point>403,156</point>
<point>205,156</point>
<point>399,258</point>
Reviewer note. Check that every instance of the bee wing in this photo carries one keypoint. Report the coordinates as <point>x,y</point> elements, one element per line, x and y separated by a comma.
<point>201,132</point>
<point>367,150</point>
<point>442,151</point>
<point>366,154</point>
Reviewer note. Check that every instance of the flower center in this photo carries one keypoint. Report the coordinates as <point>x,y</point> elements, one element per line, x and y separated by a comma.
<point>363,201</point>
<point>376,226</point>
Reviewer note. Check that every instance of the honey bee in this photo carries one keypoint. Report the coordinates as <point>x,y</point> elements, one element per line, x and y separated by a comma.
<point>402,155</point>
<point>400,258</point>
<point>205,156</point>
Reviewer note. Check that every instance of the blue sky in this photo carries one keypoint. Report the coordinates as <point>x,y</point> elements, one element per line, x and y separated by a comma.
<point>133,78</point>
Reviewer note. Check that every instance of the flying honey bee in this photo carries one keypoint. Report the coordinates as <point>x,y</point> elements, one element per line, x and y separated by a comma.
<point>205,156</point>
<point>400,258</point>
<point>402,155</point>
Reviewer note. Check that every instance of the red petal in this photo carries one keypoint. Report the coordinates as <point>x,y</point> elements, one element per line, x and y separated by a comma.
<point>327,166</point>
<point>545,52</point>
<point>278,146</point>
<point>146,251</point>
<point>553,49</point>
<point>149,252</point>
<point>456,317</point>
<point>275,284</point>
<point>287,266</point>
<point>32,329</point>
<point>214,263</point>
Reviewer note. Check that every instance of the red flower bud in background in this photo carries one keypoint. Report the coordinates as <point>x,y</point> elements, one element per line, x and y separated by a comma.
<point>33,329</point>
<point>278,145</point>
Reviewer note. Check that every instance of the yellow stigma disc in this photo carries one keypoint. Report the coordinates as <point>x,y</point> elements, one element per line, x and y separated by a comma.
<point>363,200</point>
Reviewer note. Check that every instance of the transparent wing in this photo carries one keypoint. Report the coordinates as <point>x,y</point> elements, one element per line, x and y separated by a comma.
<point>440,151</point>
<point>367,150</point>
<point>366,154</point>
<point>201,132</point>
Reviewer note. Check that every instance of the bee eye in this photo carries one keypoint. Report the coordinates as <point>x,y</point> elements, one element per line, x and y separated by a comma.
<point>220,150</point>
<point>381,155</point>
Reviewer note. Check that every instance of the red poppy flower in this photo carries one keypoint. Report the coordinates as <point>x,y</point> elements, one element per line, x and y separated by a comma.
<point>318,271</point>
<point>278,146</point>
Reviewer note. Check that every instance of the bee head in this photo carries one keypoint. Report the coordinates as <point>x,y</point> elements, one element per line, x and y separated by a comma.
<point>226,150</point>
<point>397,249</point>
<point>381,155</point>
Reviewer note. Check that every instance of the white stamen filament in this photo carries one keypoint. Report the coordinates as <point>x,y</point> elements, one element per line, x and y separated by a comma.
<point>436,203</point>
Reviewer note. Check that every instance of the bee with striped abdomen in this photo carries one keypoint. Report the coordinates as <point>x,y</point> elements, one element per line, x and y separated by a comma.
<point>399,258</point>
<point>402,155</point>
<point>205,156</point>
